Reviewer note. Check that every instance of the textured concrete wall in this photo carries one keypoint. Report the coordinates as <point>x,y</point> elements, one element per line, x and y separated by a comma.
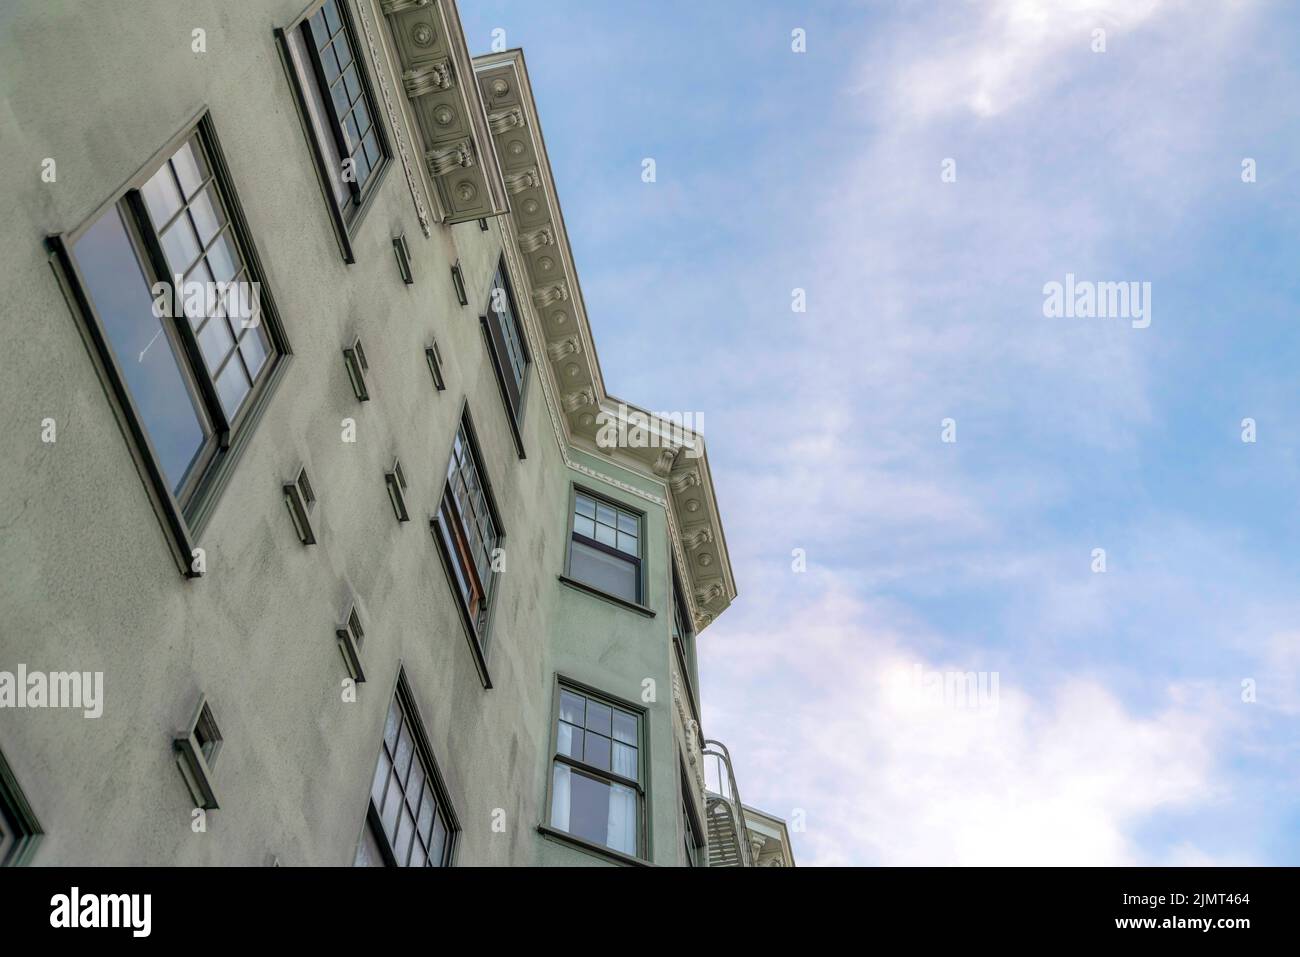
<point>86,578</point>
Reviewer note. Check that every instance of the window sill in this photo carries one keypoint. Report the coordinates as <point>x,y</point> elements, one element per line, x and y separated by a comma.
<point>587,847</point>
<point>596,592</point>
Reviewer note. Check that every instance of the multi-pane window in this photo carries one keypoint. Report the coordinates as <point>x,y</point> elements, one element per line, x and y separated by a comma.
<point>409,822</point>
<point>692,834</point>
<point>605,552</point>
<point>468,529</point>
<point>683,635</point>
<point>348,138</point>
<point>177,309</point>
<point>596,785</point>
<point>506,339</point>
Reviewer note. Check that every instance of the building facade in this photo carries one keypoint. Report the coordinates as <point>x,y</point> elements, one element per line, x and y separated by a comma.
<point>323,541</point>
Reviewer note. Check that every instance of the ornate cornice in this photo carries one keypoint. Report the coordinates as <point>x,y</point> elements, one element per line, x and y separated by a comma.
<point>542,266</point>
<point>447,119</point>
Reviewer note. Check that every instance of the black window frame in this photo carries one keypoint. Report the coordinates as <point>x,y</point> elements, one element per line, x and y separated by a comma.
<point>641,785</point>
<point>514,395</point>
<point>683,636</point>
<point>346,218</point>
<point>638,561</point>
<point>23,830</point>
<point>183,514</point>
<point>422,752</point>
<point>477,623</point>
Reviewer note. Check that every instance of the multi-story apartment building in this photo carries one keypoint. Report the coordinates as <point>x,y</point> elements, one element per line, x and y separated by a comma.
<point>321,538</point>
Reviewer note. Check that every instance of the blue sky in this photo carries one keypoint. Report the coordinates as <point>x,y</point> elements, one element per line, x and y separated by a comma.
<point>1120,735</point>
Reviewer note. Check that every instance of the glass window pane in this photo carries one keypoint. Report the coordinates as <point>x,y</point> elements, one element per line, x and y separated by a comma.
<point>319,32</point>
<point>351,135</point>
<point>415,784</point>
<point>584,526</point>
<point>417,854</point>
<point>255,347</point>
<point>425,823</point>
<point>625,727</point>
<point>339,96</point>
<point>605,572</point>
<point>438,846</point>
<point>362,116</point>
<point>232,385</point>
<point>215,342</point>
<point>402,844</point>
<point>624,761</point>
<point>331,12</point>
<point>588,808</point>
<point>191,168</point>
<point>392,805</point>
<point>628,543</point>
<point>329,65</point>
<point>622,822</point>
<point>573,708</point>
<point>343,50</point>
<point>596,752</point>
<point>121,295</point>
<point>405,750</point>
<point>598,717</point>
<point>373,154</point>
<point>605,515</point>
<point>568,740</point>
<point>381,778</point>
<point>604,534</point>
<point>392,725</point>
<point>180,245</point>
<point>585,506</point>
<point>208,218</point>
<point>352,83</point>
<point>628,523</point>
<point>161,196</point>
<point>223,259</point>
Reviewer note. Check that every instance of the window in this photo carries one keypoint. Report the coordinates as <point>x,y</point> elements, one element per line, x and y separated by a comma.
<point>301,500</point>
<point>683,637</point>
<point>692,832</point>
<point>433,356</point>
<point>350,635</point>
<point>506,345</point>
<point>170,289</point>
<point>196,754</point>
<point>20,832</point>
<point>403,253</point>
<point>395,479</point>
<point>409,821</point>
<point>354,360</point>
<point>468,531</point>
<point>605,551</point>
<point>338,107</point>
<point>596,783</point>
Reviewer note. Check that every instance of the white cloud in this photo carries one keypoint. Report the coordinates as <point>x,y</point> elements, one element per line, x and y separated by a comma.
<point>1058,776</point>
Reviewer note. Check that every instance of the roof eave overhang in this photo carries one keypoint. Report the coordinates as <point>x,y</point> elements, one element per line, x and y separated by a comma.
<point>667,452</point>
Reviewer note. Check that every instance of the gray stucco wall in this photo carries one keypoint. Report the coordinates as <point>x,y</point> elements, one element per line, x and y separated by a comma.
<point>88,582</point>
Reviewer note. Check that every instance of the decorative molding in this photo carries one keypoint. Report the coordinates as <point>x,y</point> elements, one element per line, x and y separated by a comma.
<point>686,480</point>
<point>573,401</point>
<point>396,122</point>
<point>549,295</point>
<point>663,464</point>
<point>423,80</point>
<point>693,536</point>
<point>567,346</point>
<point>397,6</point>
<point>518,182</point>
<point>451,158</point>
<point>531,242</point>
<point>505,120</point>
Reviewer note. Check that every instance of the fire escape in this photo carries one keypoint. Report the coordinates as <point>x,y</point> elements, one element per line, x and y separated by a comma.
<point>728,835</point>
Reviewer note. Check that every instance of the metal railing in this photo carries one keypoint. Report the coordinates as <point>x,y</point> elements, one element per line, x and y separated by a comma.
<point>724,803</point>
